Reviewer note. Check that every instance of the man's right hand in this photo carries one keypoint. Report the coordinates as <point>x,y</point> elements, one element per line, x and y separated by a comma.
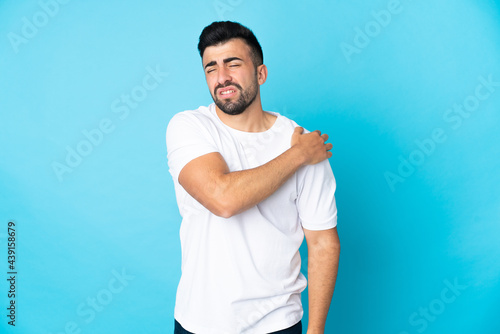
<point>312,145</point>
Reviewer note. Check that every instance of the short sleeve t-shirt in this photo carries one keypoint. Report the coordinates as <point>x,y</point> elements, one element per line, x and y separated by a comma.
<point>242,274</point>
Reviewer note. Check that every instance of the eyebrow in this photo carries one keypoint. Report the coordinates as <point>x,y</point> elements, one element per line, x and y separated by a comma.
<point>227,60</point>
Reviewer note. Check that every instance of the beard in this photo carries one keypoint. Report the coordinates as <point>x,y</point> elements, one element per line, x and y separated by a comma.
<point>246,98</point>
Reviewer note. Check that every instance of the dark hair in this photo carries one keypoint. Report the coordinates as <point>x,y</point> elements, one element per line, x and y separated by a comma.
<point>222,31</point>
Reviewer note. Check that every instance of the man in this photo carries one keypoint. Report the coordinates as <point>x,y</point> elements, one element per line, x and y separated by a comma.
<point>249,184</point>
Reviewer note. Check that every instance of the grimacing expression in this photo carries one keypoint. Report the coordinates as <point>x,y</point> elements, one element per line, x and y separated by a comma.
<point>235,105</point>
<point>231,76</point>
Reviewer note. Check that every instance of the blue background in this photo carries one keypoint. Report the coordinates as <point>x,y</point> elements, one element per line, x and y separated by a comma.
<point>405,236</point>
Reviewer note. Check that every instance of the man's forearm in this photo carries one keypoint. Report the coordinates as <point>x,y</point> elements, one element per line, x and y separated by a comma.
<point>244,189</point>
<point>323,261</point>
<point>224,193</point>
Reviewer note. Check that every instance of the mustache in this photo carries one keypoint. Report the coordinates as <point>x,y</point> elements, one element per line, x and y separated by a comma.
<point>228,83</point>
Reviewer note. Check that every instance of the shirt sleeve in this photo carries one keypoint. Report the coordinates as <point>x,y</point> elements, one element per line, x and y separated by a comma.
<point>187,139</point>
<point>316,197</point>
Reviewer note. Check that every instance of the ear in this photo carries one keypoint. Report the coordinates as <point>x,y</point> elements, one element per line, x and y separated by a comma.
<point>261,74</point>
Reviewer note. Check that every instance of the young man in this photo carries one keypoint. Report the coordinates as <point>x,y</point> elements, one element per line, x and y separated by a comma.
<point>249,184</point>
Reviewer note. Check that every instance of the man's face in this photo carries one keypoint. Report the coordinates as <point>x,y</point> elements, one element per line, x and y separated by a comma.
<point>231,76</point>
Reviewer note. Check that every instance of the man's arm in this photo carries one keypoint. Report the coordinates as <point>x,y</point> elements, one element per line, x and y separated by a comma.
<point>208,180</point>
<point>323,248</point>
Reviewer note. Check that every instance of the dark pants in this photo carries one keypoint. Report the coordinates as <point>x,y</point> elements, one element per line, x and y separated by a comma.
<point>295,329</point>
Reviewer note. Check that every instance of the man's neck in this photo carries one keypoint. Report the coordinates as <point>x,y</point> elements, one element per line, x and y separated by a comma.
<point>253,119</point>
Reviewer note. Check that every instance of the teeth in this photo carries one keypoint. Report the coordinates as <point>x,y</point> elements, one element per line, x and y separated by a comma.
<point>227,92</point>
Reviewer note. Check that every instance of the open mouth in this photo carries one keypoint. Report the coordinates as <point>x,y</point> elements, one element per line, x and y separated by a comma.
<point>227,92</point>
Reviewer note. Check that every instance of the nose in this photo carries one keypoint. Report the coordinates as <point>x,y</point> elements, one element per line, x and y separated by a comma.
<point>223,75</point>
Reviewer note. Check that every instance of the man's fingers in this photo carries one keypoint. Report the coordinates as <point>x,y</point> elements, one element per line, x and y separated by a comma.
<point>298,130</point>
<point>324,136</point>
<point>329,146</point>
<point>319,132</point>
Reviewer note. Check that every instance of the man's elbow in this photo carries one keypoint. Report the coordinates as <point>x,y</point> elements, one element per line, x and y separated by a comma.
<point>222,212</point>
<point>332,246</point>
<point>323,242</point>
<point>216,197</point>
<point>332,250</point>
<point>336,247</point>
<point>223,207</point>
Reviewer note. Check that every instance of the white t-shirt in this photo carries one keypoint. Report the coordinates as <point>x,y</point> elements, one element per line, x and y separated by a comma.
<point>242,274</point>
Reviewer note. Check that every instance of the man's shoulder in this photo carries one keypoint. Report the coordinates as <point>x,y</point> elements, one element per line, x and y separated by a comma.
<point>202,116</point>
<point>202,112</point>
<point>290,122</point>
<point>283,122</point>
